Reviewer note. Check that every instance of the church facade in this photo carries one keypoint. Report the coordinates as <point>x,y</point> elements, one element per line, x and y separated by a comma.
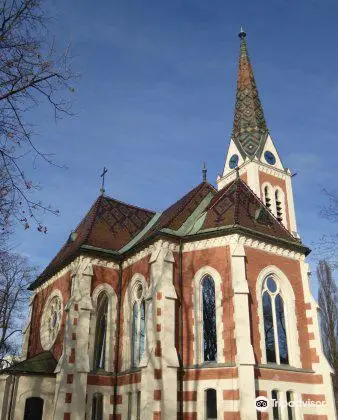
<point>188,314</point>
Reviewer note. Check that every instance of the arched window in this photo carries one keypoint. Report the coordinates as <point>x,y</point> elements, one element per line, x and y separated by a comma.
<point>290,399</point>
<point>97,407</point>
<point>267,198</point>
<point>101,332</point>
<point>279,206</point>
<point>138,325</point>
<point>211,404</point>
<point>276,345</point>
<point>275,405</point>
<point>129,412</point>
<point>209,319</point>
<point>33,408</point>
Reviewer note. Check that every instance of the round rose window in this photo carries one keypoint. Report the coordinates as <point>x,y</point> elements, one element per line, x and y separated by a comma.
<point>51,321</point>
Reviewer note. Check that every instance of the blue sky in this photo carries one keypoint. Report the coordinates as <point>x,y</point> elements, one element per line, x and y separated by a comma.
<point>155,98</point>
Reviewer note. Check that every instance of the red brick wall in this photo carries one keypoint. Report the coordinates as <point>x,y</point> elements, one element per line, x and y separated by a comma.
<point>105,275</point>
<point>218,258</point>
<point>63,283</point>
<point>256,260</point>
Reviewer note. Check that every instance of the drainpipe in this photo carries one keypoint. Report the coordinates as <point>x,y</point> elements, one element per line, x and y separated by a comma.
<point>117,337</point>
<point>181,329</point>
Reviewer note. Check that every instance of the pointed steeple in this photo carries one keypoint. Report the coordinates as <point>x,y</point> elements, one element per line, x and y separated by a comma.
<point>249,129</point>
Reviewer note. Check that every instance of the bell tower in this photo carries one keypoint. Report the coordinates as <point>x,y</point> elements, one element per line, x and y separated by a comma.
<point>252,151</point>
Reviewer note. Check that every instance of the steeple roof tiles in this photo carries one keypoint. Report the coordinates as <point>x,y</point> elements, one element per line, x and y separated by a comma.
<point>237,205</point>
<point>109,224</point>
<point>249,129</point>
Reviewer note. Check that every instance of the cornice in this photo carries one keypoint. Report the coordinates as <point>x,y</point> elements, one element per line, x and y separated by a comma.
<point>223,241</point>
<point>149,250</point>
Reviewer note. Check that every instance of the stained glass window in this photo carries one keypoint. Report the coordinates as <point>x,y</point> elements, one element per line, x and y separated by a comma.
<point>101,331</point>
<point>275,328</point>
<point>138,326</point>
<point>209,319</point>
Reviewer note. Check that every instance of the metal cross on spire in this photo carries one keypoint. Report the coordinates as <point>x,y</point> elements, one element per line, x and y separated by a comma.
<point>102,189</point>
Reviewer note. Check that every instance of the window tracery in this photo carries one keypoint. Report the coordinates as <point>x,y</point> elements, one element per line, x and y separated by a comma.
<point>51,320</point>
<point>138,325</point>
<point>276,345</point>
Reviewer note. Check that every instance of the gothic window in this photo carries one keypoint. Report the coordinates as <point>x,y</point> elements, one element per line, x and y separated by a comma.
<point>33,408</point>
<point>138,325</point>
<point>276,345</point>
<point>97,407</point>
<point>211,404</point>
<point>279,205</point>
<point>209,319</point>
<point>101,332</point>
<point>275,405</point>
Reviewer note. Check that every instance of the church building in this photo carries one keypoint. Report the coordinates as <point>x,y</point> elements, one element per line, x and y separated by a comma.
<point>187,314</point>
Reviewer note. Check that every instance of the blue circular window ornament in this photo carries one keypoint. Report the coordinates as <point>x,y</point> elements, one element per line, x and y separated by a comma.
<point>233,162</point>
<point>270,157</point>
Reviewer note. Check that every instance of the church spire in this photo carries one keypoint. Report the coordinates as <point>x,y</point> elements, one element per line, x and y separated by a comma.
<point>249,129</point>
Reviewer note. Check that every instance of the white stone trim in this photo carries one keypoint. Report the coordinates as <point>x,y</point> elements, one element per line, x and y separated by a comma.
<point>149,250</point>
<point>246,241</point>
<point>289,301</point>
<point>127,318</point>
<point>291,205</point>
<point>74,267</point>
<point>111,326</point>
<point>198,315</point>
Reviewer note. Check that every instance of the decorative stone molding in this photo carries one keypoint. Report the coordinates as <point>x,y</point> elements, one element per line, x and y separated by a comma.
<point>273,171</point>
<point>208,243</point>
<point>150,250</point>
<point>246,241</point>
<point>74,266</point>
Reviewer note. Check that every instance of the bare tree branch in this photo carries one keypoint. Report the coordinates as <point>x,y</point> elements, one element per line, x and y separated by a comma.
<point>15,275</point>
<point>328,303</point>
<point>31,73</point>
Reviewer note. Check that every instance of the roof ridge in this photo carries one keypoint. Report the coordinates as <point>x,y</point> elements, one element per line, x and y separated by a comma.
<point>195,189</point>
<point>93,218</point>
<point>127,204</point>
<point>225,188</point>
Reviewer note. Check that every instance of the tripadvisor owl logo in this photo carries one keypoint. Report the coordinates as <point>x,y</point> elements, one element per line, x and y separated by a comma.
<point>262,404</point>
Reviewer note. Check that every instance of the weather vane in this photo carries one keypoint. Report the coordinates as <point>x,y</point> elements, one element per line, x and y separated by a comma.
<point>105,170</point>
